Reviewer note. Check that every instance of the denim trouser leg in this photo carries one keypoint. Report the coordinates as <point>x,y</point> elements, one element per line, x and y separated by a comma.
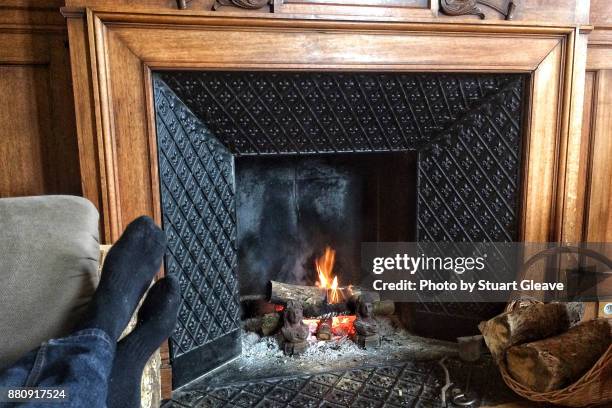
<point>81,363</point>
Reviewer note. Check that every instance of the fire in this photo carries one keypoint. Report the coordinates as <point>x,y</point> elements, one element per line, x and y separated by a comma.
<point>343,325</point>
<point>325,266</point>
<point>340,325</point>
<point>334,291</point>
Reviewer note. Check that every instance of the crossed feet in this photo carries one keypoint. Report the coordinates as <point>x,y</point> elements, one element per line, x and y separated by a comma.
<point>127,273</point>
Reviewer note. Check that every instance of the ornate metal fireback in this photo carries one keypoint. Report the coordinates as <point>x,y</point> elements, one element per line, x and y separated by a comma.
<point>272,113</point>
<point>199,217</point>
<point>465,127</point>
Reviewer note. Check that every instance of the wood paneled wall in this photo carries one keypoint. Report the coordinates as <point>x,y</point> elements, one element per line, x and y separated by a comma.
<point>596,141</point>
<point>38,148</point>
<point>597,132</point>
<point>38,143</point>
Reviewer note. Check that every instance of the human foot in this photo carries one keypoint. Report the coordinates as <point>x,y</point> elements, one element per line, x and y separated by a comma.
<point>156,320</point>
<point>128,270</point>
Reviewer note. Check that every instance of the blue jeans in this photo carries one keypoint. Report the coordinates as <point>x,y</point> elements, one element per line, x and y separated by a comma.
<point>80,363</point>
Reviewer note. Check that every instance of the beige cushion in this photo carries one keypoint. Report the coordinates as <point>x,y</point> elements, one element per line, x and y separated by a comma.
<point>49,252</point>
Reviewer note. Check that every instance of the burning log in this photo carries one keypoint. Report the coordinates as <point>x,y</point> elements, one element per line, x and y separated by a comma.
<point>555,362</point>
<point>311,298</point>
<point>314,300</point>
<point>281,293</point>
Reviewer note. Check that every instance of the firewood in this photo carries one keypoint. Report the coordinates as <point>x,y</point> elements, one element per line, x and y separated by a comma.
<point>281,293</point>
<point>314,299</point>
<point>529,323</point>
<point>556,362</point>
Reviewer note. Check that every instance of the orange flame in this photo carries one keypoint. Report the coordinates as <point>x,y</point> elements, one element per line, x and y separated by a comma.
<point>343,325</point>
<point>340,325</point>
<point>325,267</point>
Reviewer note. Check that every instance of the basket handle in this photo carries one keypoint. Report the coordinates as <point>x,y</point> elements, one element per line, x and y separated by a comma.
<point>566,249</point>
<point>555,251</point>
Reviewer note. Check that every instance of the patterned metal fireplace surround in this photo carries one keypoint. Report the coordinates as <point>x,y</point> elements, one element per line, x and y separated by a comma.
<point>466,129</point>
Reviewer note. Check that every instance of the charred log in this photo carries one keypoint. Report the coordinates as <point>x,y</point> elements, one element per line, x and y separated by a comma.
<point>314,300</point>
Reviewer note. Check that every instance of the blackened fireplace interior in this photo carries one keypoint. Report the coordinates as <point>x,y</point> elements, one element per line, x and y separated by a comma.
<point>261,171</point>
<point>290,208</point>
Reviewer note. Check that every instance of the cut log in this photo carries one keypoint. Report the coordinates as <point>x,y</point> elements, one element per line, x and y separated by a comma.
<point>556,362</point>
<point>525,324</point>
<point>352,293</point>
<point>314,299</point>
<point>281,293</point>
<point>326,309</point>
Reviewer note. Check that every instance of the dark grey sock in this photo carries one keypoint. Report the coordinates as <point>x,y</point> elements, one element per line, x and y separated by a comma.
<point>156,320</point>
<point>128,270</point>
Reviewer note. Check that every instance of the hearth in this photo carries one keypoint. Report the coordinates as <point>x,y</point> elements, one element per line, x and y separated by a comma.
<point>390,385</point>
<point>270,181</point>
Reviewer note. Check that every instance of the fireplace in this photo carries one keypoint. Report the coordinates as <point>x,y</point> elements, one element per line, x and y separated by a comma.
<point>260,172</point>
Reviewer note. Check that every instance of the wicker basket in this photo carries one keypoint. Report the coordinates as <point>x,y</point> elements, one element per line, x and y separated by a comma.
<point>595,386</point>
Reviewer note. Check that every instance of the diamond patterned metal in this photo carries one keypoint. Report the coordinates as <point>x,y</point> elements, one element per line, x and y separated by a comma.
<point>469,184</point>
<point>409,384</point>
<point>469,177</point>
<point>305,112</point>
<point>199,216</point>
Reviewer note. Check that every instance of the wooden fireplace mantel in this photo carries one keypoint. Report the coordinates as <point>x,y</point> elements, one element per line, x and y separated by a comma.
<point>122,48</point>
<point>114,52</point>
